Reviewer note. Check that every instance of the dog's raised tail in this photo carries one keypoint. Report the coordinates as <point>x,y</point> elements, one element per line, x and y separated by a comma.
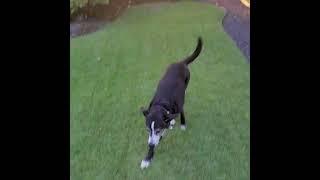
<point>195,54</point>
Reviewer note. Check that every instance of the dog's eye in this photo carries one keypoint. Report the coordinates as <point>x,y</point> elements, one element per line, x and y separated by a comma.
<point>158,131</point>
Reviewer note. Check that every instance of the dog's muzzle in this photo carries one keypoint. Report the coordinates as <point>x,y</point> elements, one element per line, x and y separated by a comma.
<point>153,140</point>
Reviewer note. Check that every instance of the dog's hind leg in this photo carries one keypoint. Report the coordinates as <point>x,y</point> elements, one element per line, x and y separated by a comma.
<point>183,121</point>
<point>186,81</point>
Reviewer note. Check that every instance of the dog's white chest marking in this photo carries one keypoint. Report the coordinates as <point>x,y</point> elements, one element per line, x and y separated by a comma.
<point>172,123</point>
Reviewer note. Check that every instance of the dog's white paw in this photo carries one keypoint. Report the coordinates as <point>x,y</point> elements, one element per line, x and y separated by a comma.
<point>172,123</point>
<point>183,127</point>
<point>144,164</point>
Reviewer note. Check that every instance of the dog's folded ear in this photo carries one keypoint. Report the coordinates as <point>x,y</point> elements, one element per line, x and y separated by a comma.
<point>144,111</point>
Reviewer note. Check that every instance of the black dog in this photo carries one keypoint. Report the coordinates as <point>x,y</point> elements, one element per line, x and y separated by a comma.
<point>168,102</point>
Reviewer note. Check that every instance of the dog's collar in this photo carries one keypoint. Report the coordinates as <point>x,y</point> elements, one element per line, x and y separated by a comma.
<point>163,106</point>
<point>166,110</point>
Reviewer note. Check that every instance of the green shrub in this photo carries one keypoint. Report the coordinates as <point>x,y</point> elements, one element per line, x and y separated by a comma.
<point>76,4</point>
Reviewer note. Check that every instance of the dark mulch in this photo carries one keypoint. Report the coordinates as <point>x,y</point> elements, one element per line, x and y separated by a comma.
<point>87,26</point>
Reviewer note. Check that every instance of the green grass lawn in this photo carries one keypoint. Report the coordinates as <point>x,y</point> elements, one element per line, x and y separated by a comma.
<point>115,71</point>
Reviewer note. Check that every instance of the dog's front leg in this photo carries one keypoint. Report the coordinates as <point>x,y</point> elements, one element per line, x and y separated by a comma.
<point>147,160</point>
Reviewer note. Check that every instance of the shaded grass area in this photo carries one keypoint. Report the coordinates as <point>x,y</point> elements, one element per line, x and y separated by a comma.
<point>116,70</point>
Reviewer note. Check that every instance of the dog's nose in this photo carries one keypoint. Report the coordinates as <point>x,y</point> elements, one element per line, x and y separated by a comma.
<point>151,146</point>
